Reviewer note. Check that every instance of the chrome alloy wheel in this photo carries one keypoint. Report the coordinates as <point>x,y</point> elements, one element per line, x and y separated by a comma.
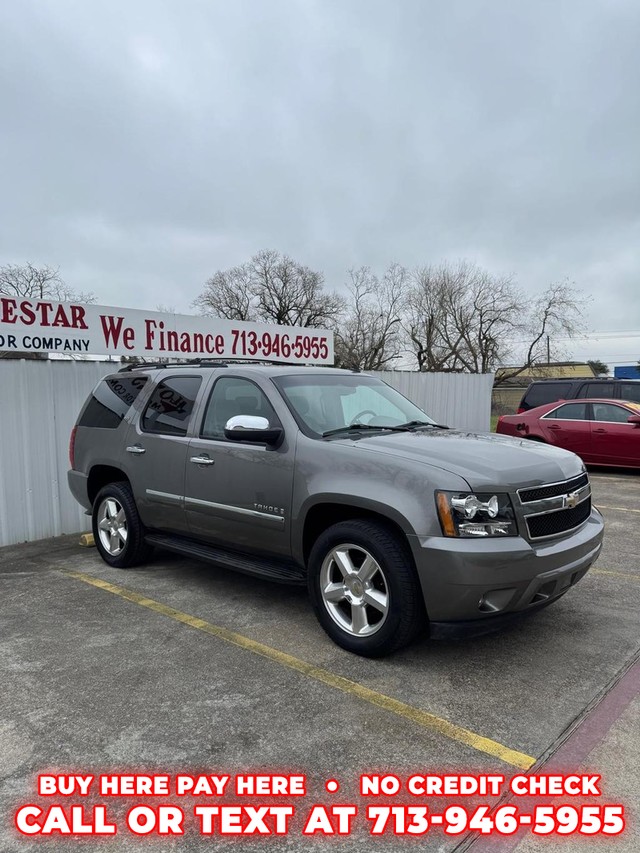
<point>354,590</point>
<point>112,526</point>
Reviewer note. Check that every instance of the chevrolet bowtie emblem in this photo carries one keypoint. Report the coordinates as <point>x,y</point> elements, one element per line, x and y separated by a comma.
<point>571,500</point>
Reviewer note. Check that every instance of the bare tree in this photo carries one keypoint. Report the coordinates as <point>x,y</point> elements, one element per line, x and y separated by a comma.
<point>461,318</point>
<point>427,318</point>
<point>27,281</point>
<point>555,314</point>
<point>368,338</point>
<point>291,294</point>
<point>229,294</point>
<point>272,288</point>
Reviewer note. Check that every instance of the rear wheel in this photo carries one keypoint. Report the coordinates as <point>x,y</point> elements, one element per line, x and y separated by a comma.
<point>117,529</point>
<point>364,588</point>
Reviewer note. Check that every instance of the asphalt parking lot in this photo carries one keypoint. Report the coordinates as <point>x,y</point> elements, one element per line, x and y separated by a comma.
<point>182,666</point>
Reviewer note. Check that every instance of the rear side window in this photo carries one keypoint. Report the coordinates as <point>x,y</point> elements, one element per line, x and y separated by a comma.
<point>597,389</point>
<point>605,412</point>
<point>545,392</point>
<point>170,406</point>
<point>570,412</point>
<point>111,401</point>
<point>630,391</point>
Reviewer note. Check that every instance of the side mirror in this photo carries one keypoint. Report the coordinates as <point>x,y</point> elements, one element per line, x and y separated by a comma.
<point>634,420</point>
<point>252,428</point>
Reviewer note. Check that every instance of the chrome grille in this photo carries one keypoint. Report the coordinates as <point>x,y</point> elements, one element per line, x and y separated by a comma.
<point>541,492</point>
<point>556,508</point>
<point>562,521</point>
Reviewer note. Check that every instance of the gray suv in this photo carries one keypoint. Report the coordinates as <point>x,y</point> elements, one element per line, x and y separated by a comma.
<point>333,479</point>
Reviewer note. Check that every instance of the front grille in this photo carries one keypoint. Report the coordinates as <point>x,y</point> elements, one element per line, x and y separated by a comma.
<point>554,523</point>
<point>542,492</point>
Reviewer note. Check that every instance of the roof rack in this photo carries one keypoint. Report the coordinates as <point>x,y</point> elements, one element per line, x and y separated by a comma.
<point>197,362</point>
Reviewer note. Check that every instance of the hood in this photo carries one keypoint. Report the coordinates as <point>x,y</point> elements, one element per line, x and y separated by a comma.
<point>487,461</point>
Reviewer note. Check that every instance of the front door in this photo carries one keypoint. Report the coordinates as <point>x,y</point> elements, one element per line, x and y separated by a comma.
<point>238,494</point>
<point>156,450</point>
<point>568,427</point>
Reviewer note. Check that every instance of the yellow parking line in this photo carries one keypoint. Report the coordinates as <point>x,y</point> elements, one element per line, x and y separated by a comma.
<point>617,508</point>
<point>625,575</point>
<point>408,712</point>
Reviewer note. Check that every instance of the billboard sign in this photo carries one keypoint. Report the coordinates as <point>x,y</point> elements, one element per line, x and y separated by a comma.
<point>40,325</point>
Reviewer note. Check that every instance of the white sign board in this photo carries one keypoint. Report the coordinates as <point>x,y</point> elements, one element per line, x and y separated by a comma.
<point>31,325</point>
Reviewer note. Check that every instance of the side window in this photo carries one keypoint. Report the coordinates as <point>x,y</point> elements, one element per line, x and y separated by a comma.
<point>630,391</point>
<point>609,413</point>
<point>170,406</point>
<point>546,392</point>
<point>232,395</point>
<point>597,389</point>
<point>570,412</point>
<point>111,401</point>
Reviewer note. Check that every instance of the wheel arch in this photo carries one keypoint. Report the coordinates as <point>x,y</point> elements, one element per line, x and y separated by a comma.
<point>102,475</point>
<point>324,512</point>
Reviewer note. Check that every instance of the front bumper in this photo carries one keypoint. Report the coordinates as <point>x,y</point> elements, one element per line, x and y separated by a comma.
<point>465,580</point>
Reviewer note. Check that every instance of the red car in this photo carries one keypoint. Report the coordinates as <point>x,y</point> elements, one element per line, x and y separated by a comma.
<point>601,432</point>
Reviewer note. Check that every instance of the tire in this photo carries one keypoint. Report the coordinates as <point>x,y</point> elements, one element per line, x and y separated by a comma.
<point>117,529</point>
<point>355,563</point>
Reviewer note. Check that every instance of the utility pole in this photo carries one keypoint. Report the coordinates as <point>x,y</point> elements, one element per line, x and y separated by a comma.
<point>548,350</point>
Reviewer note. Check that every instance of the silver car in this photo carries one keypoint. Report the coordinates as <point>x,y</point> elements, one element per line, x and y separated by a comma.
<point>333,479</point>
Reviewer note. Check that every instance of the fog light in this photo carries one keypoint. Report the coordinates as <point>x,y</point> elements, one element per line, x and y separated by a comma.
<point>496,600</point>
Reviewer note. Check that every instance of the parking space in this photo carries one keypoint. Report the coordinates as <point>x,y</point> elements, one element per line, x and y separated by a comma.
<point>180,665</point>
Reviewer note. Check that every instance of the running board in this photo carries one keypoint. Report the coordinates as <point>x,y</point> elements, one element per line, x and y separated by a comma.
<point>280,571</point>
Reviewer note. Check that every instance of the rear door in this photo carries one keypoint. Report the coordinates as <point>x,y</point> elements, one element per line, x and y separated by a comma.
<point>155,452</point>
<point>238,494</point>
<point>615,441</point>
<point>569,427</point>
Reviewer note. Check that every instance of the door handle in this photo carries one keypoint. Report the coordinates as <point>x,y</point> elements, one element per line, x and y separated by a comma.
<point>599,430</point>
<point>202,460</point>
<point>555,426</point>
<point>135,448</point>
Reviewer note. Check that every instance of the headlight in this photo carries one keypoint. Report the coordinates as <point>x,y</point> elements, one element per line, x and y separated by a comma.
<point>465,514</point>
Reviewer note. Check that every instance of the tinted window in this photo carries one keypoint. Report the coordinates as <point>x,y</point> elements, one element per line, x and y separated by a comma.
<point>610,413</point>
<point>545,392</point>
<point>630,391</point>
<point>233,396</point>
<point>570,412</point>
<point>169,409</point>
<point>111,401</point>
<point>597,389</point>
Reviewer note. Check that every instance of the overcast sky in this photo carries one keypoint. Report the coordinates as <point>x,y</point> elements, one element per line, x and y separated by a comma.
<point>145,144</point>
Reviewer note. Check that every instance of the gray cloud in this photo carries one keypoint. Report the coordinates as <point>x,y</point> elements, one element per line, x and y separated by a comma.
<point>146,144</point>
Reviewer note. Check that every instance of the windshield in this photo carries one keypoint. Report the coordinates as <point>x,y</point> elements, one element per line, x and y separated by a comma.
<point>323,404</point>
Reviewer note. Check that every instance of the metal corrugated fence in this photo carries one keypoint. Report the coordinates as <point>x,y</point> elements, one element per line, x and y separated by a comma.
<point>461,400</point>
<point>40,403</point>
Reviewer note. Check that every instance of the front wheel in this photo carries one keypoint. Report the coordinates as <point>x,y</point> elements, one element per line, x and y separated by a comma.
<point>117,529</point>
<point>364,588</point>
